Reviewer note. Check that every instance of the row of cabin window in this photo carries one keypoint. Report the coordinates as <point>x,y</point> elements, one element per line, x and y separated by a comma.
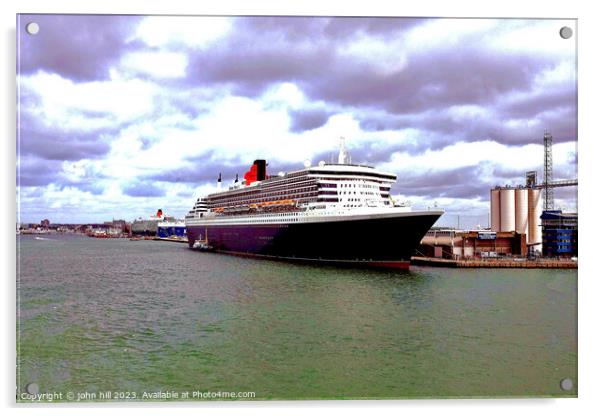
<point>352,185</point>
<point>251,201</point>
<point>361,193</point>
<point>268,195</point>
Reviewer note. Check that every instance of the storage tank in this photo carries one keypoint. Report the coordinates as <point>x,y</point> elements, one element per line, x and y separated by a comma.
<point>535,205</point>
<point>495,209</point>
<point>507,213</point>
<point>521,211</point>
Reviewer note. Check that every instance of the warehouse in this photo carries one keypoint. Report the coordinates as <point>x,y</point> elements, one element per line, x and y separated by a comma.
<point>455,244</point>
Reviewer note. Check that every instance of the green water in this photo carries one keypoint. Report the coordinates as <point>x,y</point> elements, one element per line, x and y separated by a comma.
<point>116,315</point>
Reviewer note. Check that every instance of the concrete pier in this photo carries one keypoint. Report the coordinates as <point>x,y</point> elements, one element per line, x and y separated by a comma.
<point>496,263</point>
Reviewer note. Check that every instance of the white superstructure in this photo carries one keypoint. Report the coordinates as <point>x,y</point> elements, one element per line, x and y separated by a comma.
<point>313,194</point>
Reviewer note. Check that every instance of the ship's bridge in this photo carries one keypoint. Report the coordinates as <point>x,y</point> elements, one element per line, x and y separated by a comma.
<point>353,186</point>
<point>348,170</point>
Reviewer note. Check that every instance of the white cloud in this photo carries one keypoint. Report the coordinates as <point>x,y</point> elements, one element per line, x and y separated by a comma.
<point>167,126</point>
<point>534,36</point>
<point>71,105</point>
<point>541,37</point>
<point>564,71</point>
<point>75,171</point>
<point>157,64</point>
<point>463,154</point>
<point>285,94</point>
<point>382,55</point>
<point>447,33</point>
<point>464,206</point>
<point>468,113</point>
<point>193,31</point>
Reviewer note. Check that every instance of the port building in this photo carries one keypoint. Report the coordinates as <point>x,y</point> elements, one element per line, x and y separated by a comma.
<point>523,222</point>
<point>559,234</point>
<point>515,230</point>
<point>457,244</point>
<point>517,209</point>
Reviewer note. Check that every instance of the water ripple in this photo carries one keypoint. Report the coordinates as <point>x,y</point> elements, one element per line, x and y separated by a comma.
<point>120,315</point>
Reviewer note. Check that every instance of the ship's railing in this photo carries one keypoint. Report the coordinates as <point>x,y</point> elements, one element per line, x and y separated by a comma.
<point>293,216</point>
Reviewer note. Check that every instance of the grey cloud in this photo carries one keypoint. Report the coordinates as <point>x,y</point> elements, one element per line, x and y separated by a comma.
<point>54,141</point>
<point>369,152</point>
<point>438,129</point>
<point>439,78</point>
<point>303,120</point>
<point>146,143</point>
<point>94,187</point>
<point>384,26</point>
<point>143,189</point>
<point>249,69</point>
<point>468,182</point>
<point>262,51</point>
<point>205,169</point>
<point>29,178</point>
<point>185,101</point>
<point>565,171</point>
<point>302,28</point>
<point>252,60</point>
<point>464,182</point>
<point>533,104</point>
<point>290,28</point>
<point>568,193</point>
<point>448,183</point>
<point>54,144</point>
<point>80,47</point>
<point>48,147</point>
<point>415,96</point>
<point>199,175</point>
<point>509,173</point>
<point>33,171</point>
<point>278,49</point>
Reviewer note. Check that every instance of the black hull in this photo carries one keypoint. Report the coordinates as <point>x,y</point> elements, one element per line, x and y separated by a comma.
<point>375,240</point>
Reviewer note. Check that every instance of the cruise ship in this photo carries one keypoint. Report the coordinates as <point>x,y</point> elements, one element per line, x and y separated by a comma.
<point>336,213</point>
<point>148,226</point>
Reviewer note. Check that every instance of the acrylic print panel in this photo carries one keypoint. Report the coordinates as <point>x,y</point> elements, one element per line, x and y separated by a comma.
<point>192,227</point>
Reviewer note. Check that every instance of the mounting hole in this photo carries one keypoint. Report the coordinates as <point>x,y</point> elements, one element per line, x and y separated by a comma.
<point>566,384</point>
<point>32,388</point>
<point>32,28</point>
<point>566,32</point>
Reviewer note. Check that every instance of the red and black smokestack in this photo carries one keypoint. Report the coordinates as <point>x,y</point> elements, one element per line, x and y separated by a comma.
<point>257,172</point>
<point>261,169</point>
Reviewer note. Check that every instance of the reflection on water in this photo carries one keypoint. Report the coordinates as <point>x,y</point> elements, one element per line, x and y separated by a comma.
<point>111,314</point>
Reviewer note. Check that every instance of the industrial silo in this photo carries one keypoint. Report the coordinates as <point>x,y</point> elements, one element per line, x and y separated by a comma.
<point>521,211</point>
<point>495,209</point>
<point>507,213</point>
<point>535,205</point>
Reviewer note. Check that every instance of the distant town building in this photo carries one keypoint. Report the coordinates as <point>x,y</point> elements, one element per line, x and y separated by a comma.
<point>117,224</point>
<point>45,223</point>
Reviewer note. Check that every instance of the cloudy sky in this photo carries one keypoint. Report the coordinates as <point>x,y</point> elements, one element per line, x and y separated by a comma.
<point>121,115</point>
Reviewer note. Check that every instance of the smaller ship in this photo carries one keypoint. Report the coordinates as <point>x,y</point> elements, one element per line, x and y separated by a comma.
<point>151,226</point>
<point>202,245</point>
<point>171,229</point>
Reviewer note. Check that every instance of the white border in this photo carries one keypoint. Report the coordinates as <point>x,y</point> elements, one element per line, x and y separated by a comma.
<point>589,146</point>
